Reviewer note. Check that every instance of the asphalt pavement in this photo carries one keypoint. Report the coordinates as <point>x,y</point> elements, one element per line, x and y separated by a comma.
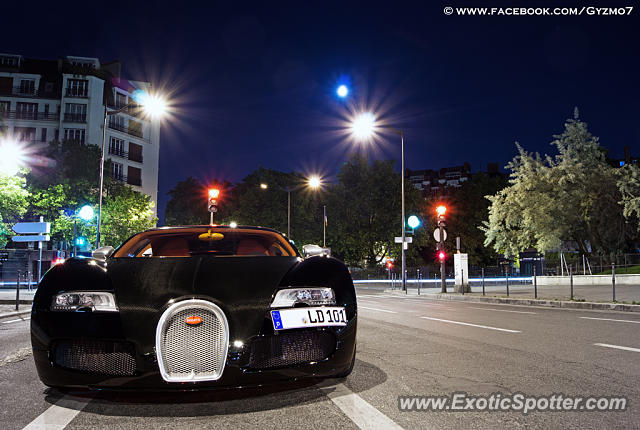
<point>407,346</point>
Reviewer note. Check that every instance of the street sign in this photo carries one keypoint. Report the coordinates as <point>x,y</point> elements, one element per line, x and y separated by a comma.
<point>407,239</point>
<point>436,234</point>
<point>32,238</point>
<point>32,227</point>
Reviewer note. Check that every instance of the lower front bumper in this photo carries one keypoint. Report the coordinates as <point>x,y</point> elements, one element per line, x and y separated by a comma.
<point>241,369</point>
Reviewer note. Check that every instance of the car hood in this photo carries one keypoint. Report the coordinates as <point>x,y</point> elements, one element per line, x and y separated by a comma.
<point>242,287</point>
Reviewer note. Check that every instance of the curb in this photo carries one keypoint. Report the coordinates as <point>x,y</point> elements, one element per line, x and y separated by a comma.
<point>566,304</point>
<point>13,302</point>
<point>14,314</point>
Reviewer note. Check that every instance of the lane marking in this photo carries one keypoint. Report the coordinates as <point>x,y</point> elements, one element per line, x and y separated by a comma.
<point>12,321</point>
<point>473,325</point>
<point>57,417</point>
<point>503,310</point>
<point>376,309</point>
<point>358,410</point>
<point>611,319</point>
<point>624,348</point>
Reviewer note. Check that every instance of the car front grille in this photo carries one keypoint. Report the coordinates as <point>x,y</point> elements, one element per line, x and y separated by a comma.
<point>97,356</point>
<point>287,349</point>
<point>192,352</point>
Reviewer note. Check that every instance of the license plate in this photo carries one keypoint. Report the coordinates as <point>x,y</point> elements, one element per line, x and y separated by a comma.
<point>308,317</point>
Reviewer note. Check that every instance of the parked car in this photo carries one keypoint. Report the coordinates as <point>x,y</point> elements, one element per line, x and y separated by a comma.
<point>194,307</point>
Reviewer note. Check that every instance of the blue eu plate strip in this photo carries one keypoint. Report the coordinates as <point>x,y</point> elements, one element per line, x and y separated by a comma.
<point>277,322</point>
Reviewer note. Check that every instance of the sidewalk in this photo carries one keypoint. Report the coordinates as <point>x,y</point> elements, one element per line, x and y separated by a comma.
<point>8,303</point>
<point>523,295</point>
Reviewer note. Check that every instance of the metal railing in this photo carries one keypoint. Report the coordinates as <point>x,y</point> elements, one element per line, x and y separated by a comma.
<point>28,92</point>
<point>29,116</point>
<point>75,117</point>
<point>129,180</point>
<point>128,130</point>
<point>81,93</point>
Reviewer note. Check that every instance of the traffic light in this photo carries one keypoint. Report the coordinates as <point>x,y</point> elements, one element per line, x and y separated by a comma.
<point>389,264</point>
<point>440,211</point>
<point>80,241</point>
<point>212,204</point>
<point>442,256</point>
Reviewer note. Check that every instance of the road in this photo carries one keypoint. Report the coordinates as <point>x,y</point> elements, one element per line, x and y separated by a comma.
<point>406,346</point>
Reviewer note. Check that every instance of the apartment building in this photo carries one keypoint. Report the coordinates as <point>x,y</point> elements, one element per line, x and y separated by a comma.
<point>65,99</point>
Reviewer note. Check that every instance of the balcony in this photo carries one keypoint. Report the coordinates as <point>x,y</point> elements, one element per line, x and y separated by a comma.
<point>29,116</point>
<point>124,154</point>
<point>81,93</point>
<point>75,117</point>
<point>131,181</point>
<point>130,131</point>
<point>27,92</point>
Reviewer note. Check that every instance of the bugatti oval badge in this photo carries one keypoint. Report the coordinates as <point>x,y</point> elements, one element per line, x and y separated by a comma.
<point>193,320</point>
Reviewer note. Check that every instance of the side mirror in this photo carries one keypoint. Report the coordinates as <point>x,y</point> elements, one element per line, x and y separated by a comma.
<point>314,250</point>
<point>102,253</point>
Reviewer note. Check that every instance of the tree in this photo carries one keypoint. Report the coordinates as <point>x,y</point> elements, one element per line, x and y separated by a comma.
<point>14,198</point>
<point>570,200</point>
<point>125,212</point>
<point>188,203</point>
<point>629,186</point>
<point>365,212</point>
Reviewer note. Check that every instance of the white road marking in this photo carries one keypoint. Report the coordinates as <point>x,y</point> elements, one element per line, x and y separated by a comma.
<point>57,417</point>
<point>503,310</point>
<point>12,321</point>
<point>624,348</point>
<point>473,325</point>
<point>610,319</point>
<point>359,410</point>
<point>376,309</point>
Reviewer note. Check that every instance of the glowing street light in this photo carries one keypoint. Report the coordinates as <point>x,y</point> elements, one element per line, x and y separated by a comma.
<point>364,128</point>
<point>314,182</point>
<point>12,157</point>
<point>264,186</point>
<point>86,214</point>
<point>342,91</point>
<point>154,106</point>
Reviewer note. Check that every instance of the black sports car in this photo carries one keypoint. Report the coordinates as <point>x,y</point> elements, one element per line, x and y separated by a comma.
<point>194,307</point>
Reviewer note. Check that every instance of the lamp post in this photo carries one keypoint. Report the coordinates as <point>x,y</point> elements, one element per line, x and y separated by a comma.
<point>152,105</point>
<point>363,127</point>
<point>313,182</point>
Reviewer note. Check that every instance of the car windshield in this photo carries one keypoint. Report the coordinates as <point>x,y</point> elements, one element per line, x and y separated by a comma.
<point>220,241</point>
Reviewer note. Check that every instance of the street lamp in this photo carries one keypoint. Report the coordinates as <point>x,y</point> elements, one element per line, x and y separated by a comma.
<point>86,214</point>
<point>313,182</point>
<point>12,157</point>
<point>154,106</point>
<point>364,128</point>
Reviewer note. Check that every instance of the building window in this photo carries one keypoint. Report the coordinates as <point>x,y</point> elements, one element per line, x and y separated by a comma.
<point>74,135</point>
<point>26,110</point>
<point>135,152</point>
<point>121,100</point>
<point>77,87</point>
<point>11,61</point>
<point>75,112</point>
<point>116,146</point>
<point>26,134</point>
<point>134,176</point>
<point>44,135</point>
<point>5,107</point>
<point>57,134</point>
<point>135,128</point>
<point>116,171</point>
<point>27,86</point>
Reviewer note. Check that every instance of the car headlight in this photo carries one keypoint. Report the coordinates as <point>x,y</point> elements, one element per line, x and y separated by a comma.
<point>96,301</point>
<point>311,296</point>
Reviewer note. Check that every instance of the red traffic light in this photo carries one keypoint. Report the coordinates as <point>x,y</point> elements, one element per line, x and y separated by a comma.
<point>442,255</point>
<point>389,264</point>
<point>441,210</point>
<point>214,193</point>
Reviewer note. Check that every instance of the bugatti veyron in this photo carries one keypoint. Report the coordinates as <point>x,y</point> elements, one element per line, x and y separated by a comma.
<point>194,307</point>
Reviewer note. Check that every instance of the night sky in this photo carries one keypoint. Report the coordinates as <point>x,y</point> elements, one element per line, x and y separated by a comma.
<point>255,85</point>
